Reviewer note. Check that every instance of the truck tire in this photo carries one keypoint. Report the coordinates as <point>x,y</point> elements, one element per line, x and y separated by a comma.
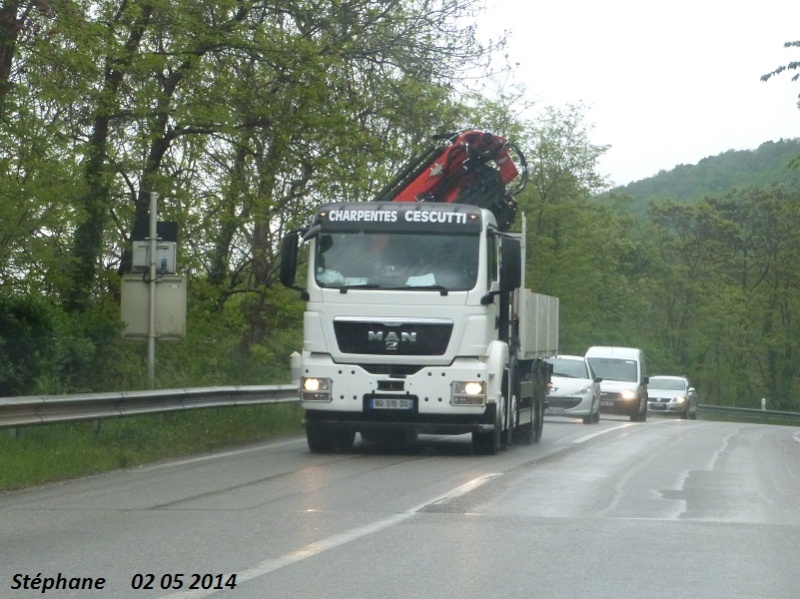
<point>324,440</point>
<point>538,423</point>
<point>542,378</point>
<point>489,443</point>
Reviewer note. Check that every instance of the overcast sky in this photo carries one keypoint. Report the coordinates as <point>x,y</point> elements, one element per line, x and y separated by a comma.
<point>665,83</point>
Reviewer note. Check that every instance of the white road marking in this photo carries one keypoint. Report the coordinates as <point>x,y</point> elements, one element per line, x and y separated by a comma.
<point>616,428</point>
<point>272,564</point>
<point>603,432</point>
<point>216,456</point>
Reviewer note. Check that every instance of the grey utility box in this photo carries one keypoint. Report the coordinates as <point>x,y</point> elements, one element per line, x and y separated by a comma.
<point>166,253</point>
<point>170,306</point>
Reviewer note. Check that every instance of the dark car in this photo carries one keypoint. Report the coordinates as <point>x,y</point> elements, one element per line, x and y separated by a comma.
<point>673,395</point>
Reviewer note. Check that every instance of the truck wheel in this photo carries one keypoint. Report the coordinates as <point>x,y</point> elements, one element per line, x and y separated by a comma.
<point>322,440</point>
<point>526,432</point>
<point>489,443</point>
<point>542,377</point>
<point>538,423</point>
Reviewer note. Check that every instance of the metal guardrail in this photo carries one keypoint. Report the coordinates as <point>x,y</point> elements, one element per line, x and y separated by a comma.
<point>747,411</point>
<point>35,410</point>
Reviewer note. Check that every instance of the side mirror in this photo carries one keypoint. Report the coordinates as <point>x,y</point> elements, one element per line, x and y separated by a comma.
<point>511,265</point>
<point>289,258</point>
<point>646,380</point>
<point>598,379</point>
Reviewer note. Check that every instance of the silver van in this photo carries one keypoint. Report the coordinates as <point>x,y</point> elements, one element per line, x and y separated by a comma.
<point>623,389</point>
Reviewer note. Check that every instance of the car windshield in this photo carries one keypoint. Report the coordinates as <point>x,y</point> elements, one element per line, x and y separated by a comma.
<point>615,369</point>
<point>400,260</point>
<point>569,368</point>
<point>671,384</point>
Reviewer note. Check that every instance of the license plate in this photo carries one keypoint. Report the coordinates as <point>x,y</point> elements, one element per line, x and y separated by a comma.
<point>556,410</point>
<point>383,403</point>
<point>608,403</point>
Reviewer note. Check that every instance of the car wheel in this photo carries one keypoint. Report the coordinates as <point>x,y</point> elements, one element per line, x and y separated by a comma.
<point>641,415</point>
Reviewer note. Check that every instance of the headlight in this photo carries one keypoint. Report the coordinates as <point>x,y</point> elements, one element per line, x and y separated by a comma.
<point>467,393</point>
<point>315,389</point>
<point>680,399</point>
<point>628,394</point>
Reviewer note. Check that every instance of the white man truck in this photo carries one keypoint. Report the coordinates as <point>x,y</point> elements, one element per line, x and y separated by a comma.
<point>418,322</point>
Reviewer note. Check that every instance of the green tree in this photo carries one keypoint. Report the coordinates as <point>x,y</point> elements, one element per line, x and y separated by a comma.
<point>241,115</point>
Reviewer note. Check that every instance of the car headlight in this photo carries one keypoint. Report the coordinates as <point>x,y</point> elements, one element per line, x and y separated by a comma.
<point>628,394</point>
<point>315,389</point>
<point>680,399</point>
<point>467,393</point>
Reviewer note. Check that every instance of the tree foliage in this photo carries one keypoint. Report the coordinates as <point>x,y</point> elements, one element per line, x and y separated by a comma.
<point>243,116</point>
<point>719,175</point>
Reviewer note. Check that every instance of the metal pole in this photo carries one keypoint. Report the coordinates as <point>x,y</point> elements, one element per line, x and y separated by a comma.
<point>151,331</point>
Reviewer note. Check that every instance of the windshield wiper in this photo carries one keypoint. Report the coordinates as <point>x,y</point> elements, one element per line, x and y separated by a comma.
<point>439,288</point>
<point>344,288</point>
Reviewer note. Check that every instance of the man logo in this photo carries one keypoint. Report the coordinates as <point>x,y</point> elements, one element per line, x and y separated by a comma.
<point>392,339</point>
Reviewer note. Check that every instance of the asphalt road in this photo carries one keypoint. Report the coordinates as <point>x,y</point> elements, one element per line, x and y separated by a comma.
<point>667,508</point>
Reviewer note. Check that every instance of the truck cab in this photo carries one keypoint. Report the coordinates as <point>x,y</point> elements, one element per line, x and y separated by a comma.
<point>412,326</point>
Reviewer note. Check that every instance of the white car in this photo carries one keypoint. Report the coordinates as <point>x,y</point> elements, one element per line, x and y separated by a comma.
<point>672,394</point>
<point>624,387</point>
<point>574,389</point>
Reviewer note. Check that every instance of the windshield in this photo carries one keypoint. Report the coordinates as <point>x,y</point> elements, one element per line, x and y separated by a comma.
<point>399,260</point>
<point>673,384</point>
<point>569,368</point>
<point>615,369</point>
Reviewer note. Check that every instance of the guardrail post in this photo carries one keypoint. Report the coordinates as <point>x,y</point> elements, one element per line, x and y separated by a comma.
<point>763,403</point>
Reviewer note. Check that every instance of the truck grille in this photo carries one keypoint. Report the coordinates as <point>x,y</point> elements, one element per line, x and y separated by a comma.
<point>390,338</point>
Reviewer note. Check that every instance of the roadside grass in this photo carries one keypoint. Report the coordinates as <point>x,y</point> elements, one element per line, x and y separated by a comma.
<point>45,454</point>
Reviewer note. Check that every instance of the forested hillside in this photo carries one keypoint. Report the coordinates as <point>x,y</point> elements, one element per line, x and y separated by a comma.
<point>717,175</point>
<point>244,115</point>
